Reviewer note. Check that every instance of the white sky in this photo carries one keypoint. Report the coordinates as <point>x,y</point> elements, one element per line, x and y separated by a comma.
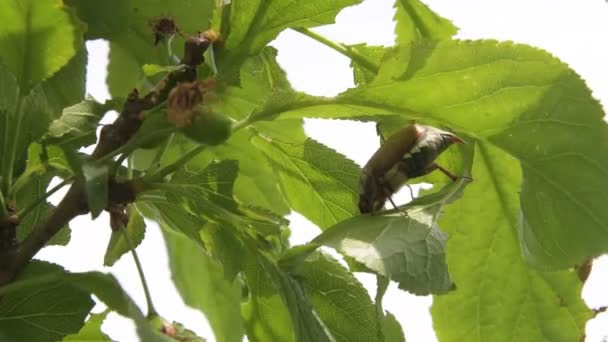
<point>574,31</point>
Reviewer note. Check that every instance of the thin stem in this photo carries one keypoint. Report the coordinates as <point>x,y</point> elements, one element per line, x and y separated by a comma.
<point>7,178</point>
<point>161,151</point>
<point>243,123</point>
<point>3,210</point>
<point>173,59</point>
<point>23,212</point>
<point>130,167</point>
<point>151,310</point>
<point>345,50</point>
<point>5,118</point>
<point>212,59</point>
<point>176,165</point>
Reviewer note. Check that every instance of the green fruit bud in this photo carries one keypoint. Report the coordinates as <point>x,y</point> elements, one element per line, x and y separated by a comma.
<point>209,128</point>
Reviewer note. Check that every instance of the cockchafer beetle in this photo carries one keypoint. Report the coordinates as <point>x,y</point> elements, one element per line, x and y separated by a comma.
<point>408,153</point>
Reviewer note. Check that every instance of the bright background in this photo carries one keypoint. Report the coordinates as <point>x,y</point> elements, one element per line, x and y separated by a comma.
<point>574,31</point>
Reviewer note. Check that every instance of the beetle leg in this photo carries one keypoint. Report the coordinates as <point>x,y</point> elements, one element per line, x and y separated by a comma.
<point>388,192</point>
<point>390,199</point>
<point>452,176</point>
<point>411,191</point>
<point>379,133</point>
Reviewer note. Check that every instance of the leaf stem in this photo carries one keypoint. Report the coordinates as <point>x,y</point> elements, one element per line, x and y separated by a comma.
<point>243,123</point>
<point>212,59</point>
<point>176,165</point>
<point>161,151</point>
<point>7,179</point>
<point>151,310</point>
<point>343,49</point>
<point>130,167</point>
<point>3,210</point>
<point>23,212</point>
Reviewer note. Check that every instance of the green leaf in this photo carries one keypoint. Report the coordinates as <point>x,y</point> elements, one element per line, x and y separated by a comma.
<point>118,244</point>
<point>373,55</point>
<point>253,24</point>
<point>77,124</point>
<point>262,302</point>
<point>521,100</point>
<point>317,181</point>
<point>133,46</point>
<point>107,289</point>
<point>36,309</point>
<point>43,160</point>
<point>9,92</point>
<point>200,281</point>
<point>32,191</point>
<point>551,200</point>
<point>171,216</point>
<point>155,69</point>
<point>263,87</point>
<point>210,187</point>
<point>26,126</point>
<point>410,251</point>
<point>37,38</point>
<point>415,21</point>
<point>42,165</point>
<point>96,180</point>
<point>91,331</point>
<point>69,292</point>
<point>391,329</point>
<point>305,323</point>
<point>105,20</point>
<point>341,302</point>
<point>208,193</point>
<point>123,68</point>
<point>153,132</point>
<point>67,86</point>
<point>499,297</point>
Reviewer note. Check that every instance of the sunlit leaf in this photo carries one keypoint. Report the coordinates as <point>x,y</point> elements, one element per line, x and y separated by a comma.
<point>409,250</point>
<point>498,296</point>
<point>67,86</point>
<point>526,103</point>
<point>91,331</point>
<point>200,281</point>
<point>306,324</point>
<point>253,24</point>
<point>30,29</point>
<point>318,182</point>
<point>415,21</point>
<point>341,302</point>
<point>77,124</point>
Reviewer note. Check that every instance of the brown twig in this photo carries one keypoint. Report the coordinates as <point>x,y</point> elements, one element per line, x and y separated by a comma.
<point>113,136</point>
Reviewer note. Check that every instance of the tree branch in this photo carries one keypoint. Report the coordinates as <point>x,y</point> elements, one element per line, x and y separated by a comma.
<point>112,137</point>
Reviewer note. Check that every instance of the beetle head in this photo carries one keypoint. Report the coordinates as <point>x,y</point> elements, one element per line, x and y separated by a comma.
<point>371,195</point>
<point>450,138</point>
